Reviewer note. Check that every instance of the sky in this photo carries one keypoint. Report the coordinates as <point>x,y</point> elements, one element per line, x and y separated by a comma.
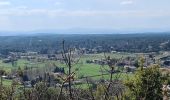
<point>139,15</point>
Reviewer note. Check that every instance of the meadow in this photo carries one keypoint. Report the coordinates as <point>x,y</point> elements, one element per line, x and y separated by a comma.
<point>81,68</point>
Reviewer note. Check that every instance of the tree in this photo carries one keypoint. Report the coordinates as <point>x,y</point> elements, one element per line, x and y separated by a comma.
<point>100,92</point>
<point>146,84</point>
<point>52,93</point>
<point>1,84</point>
<point>20,72</point>
<point>40,89</point>
<point>2,72</point>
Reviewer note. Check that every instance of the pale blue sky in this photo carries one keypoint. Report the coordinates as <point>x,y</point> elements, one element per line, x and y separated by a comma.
<point>28,15</point>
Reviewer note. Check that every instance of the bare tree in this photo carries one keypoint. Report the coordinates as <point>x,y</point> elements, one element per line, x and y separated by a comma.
<point>112,83</point>
<point>69,56</point>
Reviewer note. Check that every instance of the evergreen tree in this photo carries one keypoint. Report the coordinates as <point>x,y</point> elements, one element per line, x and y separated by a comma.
<point>146,84</point>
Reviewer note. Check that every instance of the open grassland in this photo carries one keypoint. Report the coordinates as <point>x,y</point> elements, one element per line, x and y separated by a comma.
<point>81,68</point>
<point>117,55</point>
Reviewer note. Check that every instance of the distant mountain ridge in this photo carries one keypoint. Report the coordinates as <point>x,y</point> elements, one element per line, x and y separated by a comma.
<point>77,31</point>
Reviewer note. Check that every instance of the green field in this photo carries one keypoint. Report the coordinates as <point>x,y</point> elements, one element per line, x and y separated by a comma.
<point>82,68</point>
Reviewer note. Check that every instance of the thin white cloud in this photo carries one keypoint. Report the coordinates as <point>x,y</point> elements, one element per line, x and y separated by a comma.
<point>128,13</point>
<point>5,23</point>
<point>127,2</point>
<point>21,7</point>
<point>57,3</point>
<point>36,11</point>
<point>52,13</point>
<point>5,3</point>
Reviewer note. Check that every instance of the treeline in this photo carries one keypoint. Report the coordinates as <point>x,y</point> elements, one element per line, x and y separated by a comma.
<point>110,42</point>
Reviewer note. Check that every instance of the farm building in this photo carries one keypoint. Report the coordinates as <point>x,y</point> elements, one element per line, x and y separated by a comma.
<point>129,68</point>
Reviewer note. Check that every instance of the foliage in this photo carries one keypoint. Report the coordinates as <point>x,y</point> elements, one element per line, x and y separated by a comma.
<point>20,72</point>
<point>118,42</point>
<point>100,91</point>
<point>57,69</point>
<point>146,84</point>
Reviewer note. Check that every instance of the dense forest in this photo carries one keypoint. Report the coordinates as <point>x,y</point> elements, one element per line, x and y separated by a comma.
<point>110,42</point>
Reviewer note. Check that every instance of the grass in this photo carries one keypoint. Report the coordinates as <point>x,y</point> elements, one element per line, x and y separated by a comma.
<point>85,69</point>
<point>112,55</point>
<point>20,63</point>
<point>82,68</point>
<point>82,86</point>
<point>7,82</point>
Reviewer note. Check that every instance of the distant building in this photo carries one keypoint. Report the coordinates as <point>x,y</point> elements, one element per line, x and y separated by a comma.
<point>129,68</point>
<point>6,61</point>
